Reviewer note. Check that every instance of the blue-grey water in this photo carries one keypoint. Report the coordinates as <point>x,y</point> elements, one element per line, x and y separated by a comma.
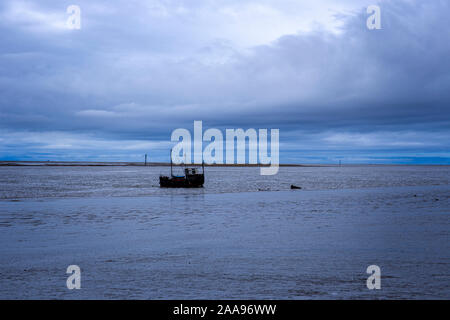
<point>243,236</point>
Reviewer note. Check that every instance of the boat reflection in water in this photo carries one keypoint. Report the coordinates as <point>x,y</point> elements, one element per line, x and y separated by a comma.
<point>191,178</point>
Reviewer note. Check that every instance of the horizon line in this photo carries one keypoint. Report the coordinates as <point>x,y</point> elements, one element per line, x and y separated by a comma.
<point>87,163</point>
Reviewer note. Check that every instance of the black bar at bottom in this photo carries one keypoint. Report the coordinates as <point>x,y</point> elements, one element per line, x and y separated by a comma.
<point>222,309</point>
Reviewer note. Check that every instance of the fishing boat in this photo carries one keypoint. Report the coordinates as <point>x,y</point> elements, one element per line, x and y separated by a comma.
<point>191,178</point>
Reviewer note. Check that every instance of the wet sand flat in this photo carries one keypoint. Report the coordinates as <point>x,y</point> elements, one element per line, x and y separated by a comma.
<point>249,245</point>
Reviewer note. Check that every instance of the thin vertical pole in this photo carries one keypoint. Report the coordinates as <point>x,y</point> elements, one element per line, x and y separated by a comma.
<point>171,172</point>
<point>145,160</point>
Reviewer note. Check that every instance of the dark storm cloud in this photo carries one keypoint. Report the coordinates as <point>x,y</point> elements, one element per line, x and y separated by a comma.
<point>134,73</point>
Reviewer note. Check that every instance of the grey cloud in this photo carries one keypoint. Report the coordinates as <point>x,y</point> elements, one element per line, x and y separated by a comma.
<point>126,76</point>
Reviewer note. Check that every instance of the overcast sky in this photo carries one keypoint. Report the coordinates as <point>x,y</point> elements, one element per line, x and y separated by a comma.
<point>136,70</point>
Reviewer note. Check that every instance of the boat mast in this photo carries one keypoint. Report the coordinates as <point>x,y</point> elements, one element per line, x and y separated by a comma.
<point>171,172</point>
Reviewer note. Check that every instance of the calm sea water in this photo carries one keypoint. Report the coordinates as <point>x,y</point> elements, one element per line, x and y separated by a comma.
<point>243,236</point>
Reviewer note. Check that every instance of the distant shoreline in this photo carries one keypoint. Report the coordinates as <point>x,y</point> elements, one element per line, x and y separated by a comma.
<point>165,164</point>
<point>132,164</point>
